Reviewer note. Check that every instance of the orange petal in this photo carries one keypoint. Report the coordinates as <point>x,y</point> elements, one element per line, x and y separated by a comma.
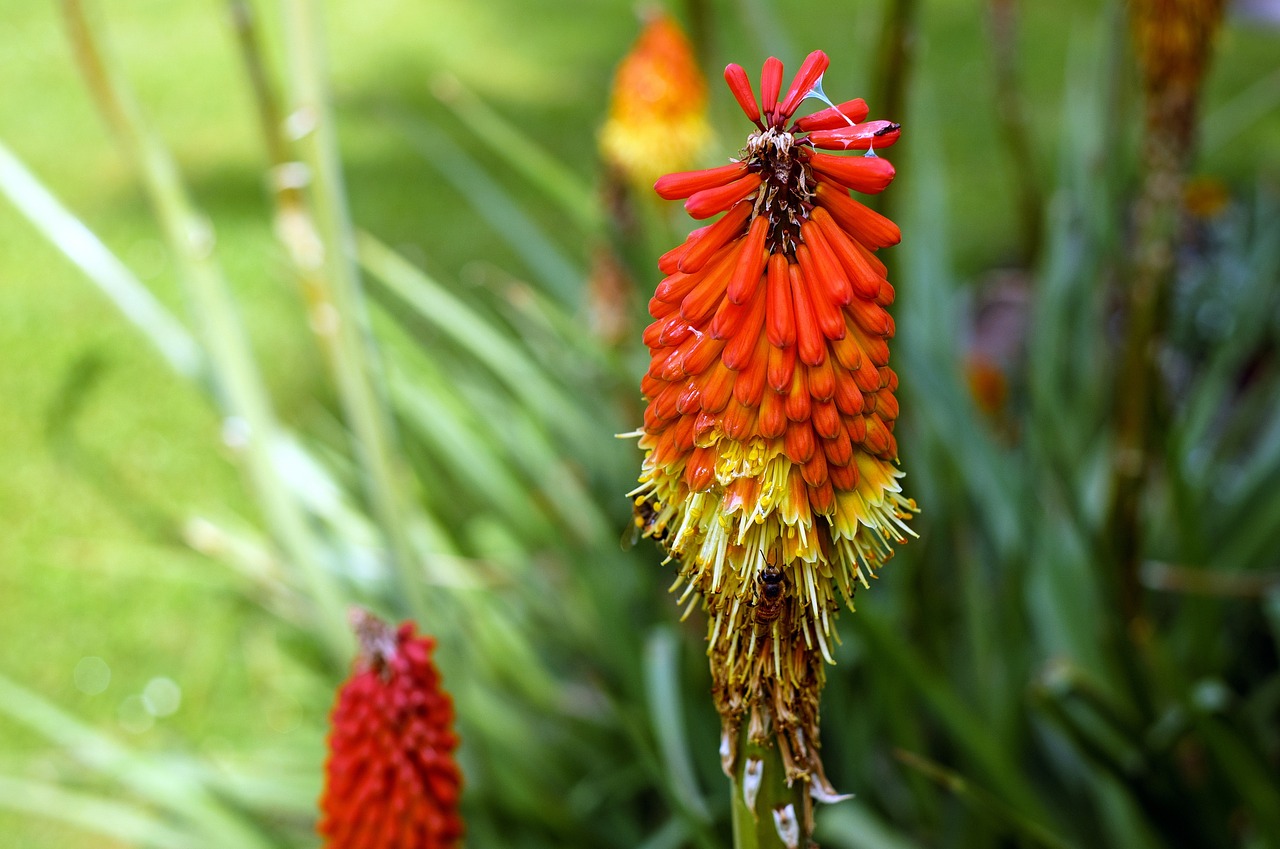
<point>811,70</point>
<point>867,174</point>
<point>701,469</point>
<point>739,421</point>
<point>826,419</point>
<point>839,449</point>
<point>773,417</point>
<point>717,388</point>
<point>830,276</point>
<point>810,343</point>
<point>740,349</point>
<point>865,281</point>
<point>872,135</point>
<point>751,262</point>
<point>782,364</point>
<point>703,353</point>
<point>668,263</point>
<point>866,225</point>
<point>708,202</point>
<point>877,440</point>
<point>843,478</point>
<point>780,316</point>
<point>815,469</point>
<point>822,381</point>
<point>886,405</point>
<point>798,443</point>
<point>799,403</point>
<point>825,309</point>
<point>834,116</point>
<point>847,396</point>
<point>822,498</point>
<point>870,317</point>
<point>770,84</point>
<point>721,233</point>
<point>686,183</point>
<point>749,387</point>
<point>736,77</point>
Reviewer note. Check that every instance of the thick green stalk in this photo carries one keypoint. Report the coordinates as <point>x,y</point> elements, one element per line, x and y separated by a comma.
<point>321,242</point>
<point>250,421</point>
<point>767,814</point>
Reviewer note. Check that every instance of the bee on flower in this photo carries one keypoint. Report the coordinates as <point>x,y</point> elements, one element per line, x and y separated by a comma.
<point>770,467</point>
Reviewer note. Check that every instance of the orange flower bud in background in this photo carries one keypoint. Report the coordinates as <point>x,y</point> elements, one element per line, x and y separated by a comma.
<point>658,107</point>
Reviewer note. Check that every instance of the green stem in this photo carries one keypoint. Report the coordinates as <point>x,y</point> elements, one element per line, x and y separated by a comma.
<point>321,241</point>
<point>767,814</point>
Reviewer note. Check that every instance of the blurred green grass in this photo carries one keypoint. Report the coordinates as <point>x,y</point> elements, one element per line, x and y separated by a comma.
<point>105,452</point>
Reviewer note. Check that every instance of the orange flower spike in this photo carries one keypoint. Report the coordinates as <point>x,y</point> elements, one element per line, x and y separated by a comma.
<point>768,431</point>
<point>658,106</point>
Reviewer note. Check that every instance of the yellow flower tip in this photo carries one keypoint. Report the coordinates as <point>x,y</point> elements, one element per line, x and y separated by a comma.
<point>658,107</point>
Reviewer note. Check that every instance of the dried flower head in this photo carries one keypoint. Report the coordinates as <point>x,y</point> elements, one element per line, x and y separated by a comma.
<point>770,468</point>
<point>658,108</point>
<point>391,781</point>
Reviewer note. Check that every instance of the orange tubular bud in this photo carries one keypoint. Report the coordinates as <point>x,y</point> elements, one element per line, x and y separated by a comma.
<point>811,71</point>
<point>751,262</point>
<point>867,174</point>
<point>840,115</point>
<point>686,183</point>
<point>875,134</point>
<point>866,225</point>
<point>720,234</point>
<point>708,202</point>
<point>770,85</point>
<point>736,77</point>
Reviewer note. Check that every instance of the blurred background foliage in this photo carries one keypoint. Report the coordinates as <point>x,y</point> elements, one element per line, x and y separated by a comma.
<point>198,474</point>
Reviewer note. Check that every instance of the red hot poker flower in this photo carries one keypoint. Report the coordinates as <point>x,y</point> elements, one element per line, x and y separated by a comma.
<point>770,459</point>
<point>391,781</point>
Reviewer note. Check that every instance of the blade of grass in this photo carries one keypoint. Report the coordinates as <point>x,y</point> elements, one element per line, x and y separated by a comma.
<point>984,803</point>
<point>331,281</point>
<point>79,244</point>
<point>492,203</point>
<point>549,177</point>
<point>161,784</point>
<point>662,686</point>
<point>239,384</point>
<point>115,820</point>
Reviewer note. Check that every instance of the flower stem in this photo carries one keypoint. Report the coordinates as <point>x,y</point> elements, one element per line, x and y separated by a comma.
<point>767,814</point>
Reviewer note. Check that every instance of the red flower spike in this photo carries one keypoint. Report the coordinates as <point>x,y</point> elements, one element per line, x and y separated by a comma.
<point>736,77</point>
<point>833,117</point>
<point>867,174</point>
<point>684,184</point>
<point>768,429</point>
<point>770,85</point>
<point>390,770</point>
<point>811,71</point>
